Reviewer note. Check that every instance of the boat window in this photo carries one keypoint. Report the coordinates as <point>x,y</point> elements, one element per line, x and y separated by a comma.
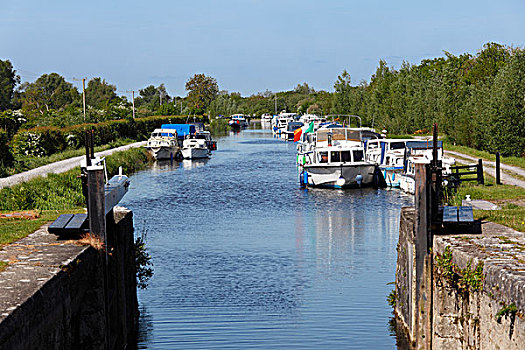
<point>345,156</point>
<point>322,157</point>
<point>335,156</point>
<point>397,145</point>
<point>338,134</point>
<point>322,135</point>
<point>358,155</point>
<point>387,162</point>
<point>353,135</point>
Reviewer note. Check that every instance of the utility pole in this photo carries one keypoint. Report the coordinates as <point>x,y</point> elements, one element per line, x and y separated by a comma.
<point>84,97</point>
<point>275,104</point>
<point>133,102</point>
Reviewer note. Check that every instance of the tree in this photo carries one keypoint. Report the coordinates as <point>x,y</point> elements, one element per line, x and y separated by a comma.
<point>343,90</point>
<point>100,94</point>
<point>47,93</point>
<point>152,96</point>
<point>8,81</point>
<point>202,90</point>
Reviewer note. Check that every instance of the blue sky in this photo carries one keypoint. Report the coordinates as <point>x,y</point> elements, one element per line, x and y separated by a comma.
<point>247,45</point>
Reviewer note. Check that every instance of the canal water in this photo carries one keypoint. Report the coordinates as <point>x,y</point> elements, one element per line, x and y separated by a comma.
<point>244,258</point>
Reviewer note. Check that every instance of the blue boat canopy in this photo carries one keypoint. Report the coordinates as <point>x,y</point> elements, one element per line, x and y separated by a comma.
<point>182,129</point>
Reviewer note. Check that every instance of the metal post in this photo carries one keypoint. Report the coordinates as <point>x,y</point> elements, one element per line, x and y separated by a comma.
<point>498,170</point>
<point>481,180</point>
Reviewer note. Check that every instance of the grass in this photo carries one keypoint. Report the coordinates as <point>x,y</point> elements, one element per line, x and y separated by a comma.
<point>64,191</point>
<point>13,229</point>
<point>514,161</point>
<point>513,218</point>
<point>24,163</point>
<point>510,215</point>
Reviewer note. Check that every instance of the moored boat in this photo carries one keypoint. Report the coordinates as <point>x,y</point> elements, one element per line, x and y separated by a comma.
<point>193,148</point>
<point>336,159</point>
<point>238,121</point>
<point>163,144</point>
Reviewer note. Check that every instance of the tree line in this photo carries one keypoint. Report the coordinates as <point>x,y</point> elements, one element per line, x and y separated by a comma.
<point>477,99</point>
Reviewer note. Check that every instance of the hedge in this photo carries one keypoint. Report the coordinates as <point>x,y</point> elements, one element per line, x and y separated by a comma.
<point>44,141</point>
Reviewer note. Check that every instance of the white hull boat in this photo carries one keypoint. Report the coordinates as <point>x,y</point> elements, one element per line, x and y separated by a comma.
<point>339,176</point>
<point>195,149</point>
<point>163,144</point>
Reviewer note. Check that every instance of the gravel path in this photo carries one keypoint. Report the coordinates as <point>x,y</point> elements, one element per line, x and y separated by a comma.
<point>505,178</point>
<point>59,167</point>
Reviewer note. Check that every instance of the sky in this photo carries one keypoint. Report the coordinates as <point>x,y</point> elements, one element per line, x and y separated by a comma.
<point>248,46</point>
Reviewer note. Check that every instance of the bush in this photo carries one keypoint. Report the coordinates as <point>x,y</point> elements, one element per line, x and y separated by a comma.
<point>44,141</point>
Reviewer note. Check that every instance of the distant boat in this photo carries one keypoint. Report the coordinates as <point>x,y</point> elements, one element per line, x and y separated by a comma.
<point>238,121</point>
<point>163,144</point>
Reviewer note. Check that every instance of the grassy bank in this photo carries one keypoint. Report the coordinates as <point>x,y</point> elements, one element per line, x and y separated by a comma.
<point>56,194</point>
<point>514,161</point>
<point>63,191</point>
<point>508,197</point>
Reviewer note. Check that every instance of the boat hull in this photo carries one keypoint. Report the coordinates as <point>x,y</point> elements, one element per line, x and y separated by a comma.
<point>339,176</point>
<point>164,152</point>
<point>392,175</point>
<point>195,153</point>
<point>407,183</point>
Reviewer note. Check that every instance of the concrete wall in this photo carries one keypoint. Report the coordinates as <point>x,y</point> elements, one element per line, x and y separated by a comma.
<point>55,294</point>
<point>461,317</point>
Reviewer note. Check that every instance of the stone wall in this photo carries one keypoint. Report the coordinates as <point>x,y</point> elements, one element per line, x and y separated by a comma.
<point>465,301</point>
<point>56,294</point>
<point>465,316</point>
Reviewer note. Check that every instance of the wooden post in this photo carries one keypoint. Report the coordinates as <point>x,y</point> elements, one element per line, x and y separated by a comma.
<point>481,180</point>
<point>498,170</point>
<point>422,314</point>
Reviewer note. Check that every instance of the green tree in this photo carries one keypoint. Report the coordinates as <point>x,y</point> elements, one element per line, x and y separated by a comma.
<point>100,94</point>
<point>8,82</point>
<point>49,92</point>
<point>202,90</point>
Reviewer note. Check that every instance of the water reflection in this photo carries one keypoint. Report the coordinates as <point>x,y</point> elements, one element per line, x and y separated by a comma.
<point>245,258</point>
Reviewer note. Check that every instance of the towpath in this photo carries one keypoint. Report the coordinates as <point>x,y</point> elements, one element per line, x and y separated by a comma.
<point>506,176</point>
<point>59,167</point>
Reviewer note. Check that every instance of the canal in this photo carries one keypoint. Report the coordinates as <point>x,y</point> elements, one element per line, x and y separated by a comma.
<point>246,259</point>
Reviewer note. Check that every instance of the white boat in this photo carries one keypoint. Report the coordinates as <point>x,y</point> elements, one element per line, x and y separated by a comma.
<point>195,149</point>
<point>163,144</point>
<point>280,123</point>
<point>420,152</point>
<point>238,121</point>
<point>389,155</point>
<point>335,158</point>
<point>206,136</point>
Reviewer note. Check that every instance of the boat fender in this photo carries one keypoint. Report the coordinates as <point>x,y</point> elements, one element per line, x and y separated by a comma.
<point>359,179</point>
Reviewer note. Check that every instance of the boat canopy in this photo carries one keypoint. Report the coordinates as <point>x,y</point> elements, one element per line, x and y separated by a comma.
<point>182,129</point>
<point>423,144</point>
